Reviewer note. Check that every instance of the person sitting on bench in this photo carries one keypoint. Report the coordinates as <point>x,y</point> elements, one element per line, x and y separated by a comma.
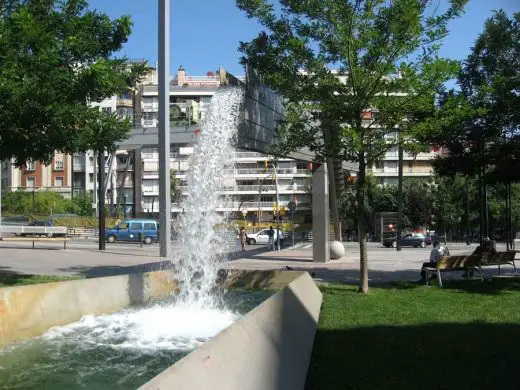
<point>436,253</point>
<point>488,246</point>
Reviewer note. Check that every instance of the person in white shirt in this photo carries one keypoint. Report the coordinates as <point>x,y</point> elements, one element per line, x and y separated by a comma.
<point>436,254</point>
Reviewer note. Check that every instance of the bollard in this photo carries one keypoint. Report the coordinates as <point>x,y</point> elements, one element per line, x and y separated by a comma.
<point>141,240</point>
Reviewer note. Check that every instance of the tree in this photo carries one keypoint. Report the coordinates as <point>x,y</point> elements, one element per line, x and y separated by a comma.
<point>82,204</point>
<point>56,57</point>
<point>478,123</point>
<point>387,56</point>
<point>417,203</point>
<point>41,202</point>
<point>175,189</point>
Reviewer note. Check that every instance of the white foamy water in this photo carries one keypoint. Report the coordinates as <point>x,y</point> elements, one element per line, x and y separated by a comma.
<point>211,167</point>
<point>174,328</point>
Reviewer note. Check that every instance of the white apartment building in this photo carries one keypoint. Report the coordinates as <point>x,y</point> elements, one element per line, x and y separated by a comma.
<point>253,191</point>
<point>418,166</point>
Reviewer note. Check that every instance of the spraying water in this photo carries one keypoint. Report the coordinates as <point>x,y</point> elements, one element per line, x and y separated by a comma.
<point>201,247</point>
<point>124,349</point>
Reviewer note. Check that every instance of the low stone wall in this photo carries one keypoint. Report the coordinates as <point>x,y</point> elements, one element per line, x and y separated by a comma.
<point>29,311</point>
<point>268,349</point>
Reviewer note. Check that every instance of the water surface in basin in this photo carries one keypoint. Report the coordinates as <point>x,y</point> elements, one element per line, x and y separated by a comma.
<point>118,351</point>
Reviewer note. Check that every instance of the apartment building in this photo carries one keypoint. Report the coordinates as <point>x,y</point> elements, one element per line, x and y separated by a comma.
<point>386,170</point>
<point>417,166</point>
<point>36,176</point>
<point>253,190</point>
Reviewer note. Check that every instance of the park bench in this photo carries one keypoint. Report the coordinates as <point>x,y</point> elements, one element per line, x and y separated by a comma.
<point>499,258</point>
<point>40,239</point>
<point>464,263</point>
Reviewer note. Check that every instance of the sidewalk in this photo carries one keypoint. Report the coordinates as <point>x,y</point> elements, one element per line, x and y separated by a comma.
<point>385,265</point>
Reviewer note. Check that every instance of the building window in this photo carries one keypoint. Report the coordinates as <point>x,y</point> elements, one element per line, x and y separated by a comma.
<point>58,165</point>
<point>30,181</point>
<point>410,166</point>
<point>148,119</point>
<point>58,181</point>
<point>107,110</point>
<point>91,178</point>
<point>380,165</point>
<point>91,160</point>
<point>29,165</point>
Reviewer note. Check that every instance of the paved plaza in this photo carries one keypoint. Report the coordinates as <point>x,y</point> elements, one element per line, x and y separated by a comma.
<point>82,258</point>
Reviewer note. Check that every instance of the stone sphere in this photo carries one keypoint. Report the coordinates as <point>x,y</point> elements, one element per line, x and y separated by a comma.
<point>337,250</point>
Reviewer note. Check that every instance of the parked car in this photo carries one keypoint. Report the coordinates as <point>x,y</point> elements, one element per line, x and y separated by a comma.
<point>410,239</point>
<point>134,230</point>
<point>262,237</point>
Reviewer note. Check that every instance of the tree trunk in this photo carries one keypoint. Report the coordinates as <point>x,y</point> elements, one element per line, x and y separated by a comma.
<point>333,200</point>
<point>340,189</point>
<point>361,195</point>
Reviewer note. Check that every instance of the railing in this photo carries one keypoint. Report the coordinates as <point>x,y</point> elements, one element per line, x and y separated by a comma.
<point>258,188</point>
<point>251,155</point>
<point>258,171</point>
<point>78,167</point>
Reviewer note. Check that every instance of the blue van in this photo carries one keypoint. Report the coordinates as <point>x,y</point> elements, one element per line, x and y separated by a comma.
<point>132,230</point>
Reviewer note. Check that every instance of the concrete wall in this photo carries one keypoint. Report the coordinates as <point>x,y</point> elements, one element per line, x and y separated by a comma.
<point>269,349</point>
<point>28,311</point>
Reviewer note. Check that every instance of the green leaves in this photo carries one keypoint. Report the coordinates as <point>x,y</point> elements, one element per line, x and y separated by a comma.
<point>56,58</point>
<point>479,125</point>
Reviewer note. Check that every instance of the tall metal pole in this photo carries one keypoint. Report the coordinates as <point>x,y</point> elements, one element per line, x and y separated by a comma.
<point>101,200</point>
<point>277,205</point>
<point>481,208</point>
<point>466,201</point>
<point>1,187</point>
<point>399,195</point>
<point>164,130</point>
<point>486,207</point>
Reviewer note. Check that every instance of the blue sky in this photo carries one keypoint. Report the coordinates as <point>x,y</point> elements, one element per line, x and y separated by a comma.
<point>206,33</point>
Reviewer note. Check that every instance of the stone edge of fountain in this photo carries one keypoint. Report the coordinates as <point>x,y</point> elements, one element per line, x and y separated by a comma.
<point>29,311</point>
<point>269,348</point>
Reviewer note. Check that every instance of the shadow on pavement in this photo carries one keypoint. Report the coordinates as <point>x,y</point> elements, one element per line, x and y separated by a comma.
<point>111,270</point>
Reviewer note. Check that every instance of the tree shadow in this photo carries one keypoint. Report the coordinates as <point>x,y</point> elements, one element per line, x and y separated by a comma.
<point>112,270</point>
<point>432,356</point>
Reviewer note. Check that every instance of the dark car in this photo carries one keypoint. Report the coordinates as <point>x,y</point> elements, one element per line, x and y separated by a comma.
<point>414,240</point>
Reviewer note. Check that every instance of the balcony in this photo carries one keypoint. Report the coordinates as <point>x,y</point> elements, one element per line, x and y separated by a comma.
<point>78,167</point>
<point>264,189</point>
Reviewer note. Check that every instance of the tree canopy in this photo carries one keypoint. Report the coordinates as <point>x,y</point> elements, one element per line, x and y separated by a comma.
<point>56,57</point>
<point>352,72</point>
<point>479,122</point>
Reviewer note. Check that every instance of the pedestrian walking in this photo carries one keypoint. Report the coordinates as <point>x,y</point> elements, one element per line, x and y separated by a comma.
<point>270,239</point>
<point>243,238</point>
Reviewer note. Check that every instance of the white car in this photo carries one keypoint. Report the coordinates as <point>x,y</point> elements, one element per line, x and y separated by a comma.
<point>262,237</point>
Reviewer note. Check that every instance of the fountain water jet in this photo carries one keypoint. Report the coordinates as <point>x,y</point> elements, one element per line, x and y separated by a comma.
<point>201,248</point>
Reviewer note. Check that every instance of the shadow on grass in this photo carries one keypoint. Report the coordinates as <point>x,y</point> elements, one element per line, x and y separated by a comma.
<point>492,284</point>
<point>433,356</point>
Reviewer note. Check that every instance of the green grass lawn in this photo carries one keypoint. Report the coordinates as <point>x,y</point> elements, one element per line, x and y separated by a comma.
<point>408,336</point>
<point>8,279</point>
